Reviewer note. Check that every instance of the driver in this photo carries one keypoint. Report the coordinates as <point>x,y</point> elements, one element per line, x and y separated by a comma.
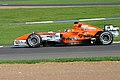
<point>77,25</point>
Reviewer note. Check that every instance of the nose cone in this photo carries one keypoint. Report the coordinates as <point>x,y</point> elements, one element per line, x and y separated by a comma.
<point>24,37</point>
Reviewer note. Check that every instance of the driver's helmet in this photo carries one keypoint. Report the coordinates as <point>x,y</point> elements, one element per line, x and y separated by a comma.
<point>67,30</point>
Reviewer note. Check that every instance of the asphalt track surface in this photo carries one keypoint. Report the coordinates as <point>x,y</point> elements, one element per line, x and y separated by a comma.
<point>20,53</point>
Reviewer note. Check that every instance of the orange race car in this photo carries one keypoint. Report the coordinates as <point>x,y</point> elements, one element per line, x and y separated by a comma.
<point>82,33</point>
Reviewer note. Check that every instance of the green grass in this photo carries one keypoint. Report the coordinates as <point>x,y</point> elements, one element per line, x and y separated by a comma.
<point>54,1</point>
<point>92,59</point>
<point>8,32</point>
<point>43,14</point>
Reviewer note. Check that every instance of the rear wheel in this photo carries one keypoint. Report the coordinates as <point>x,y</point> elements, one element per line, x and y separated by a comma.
<point>34,40</point>
<point>105,38</point>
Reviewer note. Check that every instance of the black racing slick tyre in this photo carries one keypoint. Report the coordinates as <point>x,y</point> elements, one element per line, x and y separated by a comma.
<point>105,38</point>
<point>34,40</point>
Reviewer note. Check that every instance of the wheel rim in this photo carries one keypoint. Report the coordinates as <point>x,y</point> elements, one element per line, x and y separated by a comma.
<point>106,38</point>
<point>34,41</point>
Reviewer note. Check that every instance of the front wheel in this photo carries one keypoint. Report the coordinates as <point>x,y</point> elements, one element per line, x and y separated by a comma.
<point>34,40</point>
<point>105,38</point>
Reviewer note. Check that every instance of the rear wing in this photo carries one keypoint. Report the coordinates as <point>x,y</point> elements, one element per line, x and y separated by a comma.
<point>113,29</point>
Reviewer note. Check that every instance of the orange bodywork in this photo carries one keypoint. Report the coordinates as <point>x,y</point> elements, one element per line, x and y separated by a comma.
<point>80,33</point>
<point>24,37</point>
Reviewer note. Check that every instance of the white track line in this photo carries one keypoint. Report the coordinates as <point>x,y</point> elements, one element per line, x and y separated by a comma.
<point>116,42</point>
<point>1,46</point>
